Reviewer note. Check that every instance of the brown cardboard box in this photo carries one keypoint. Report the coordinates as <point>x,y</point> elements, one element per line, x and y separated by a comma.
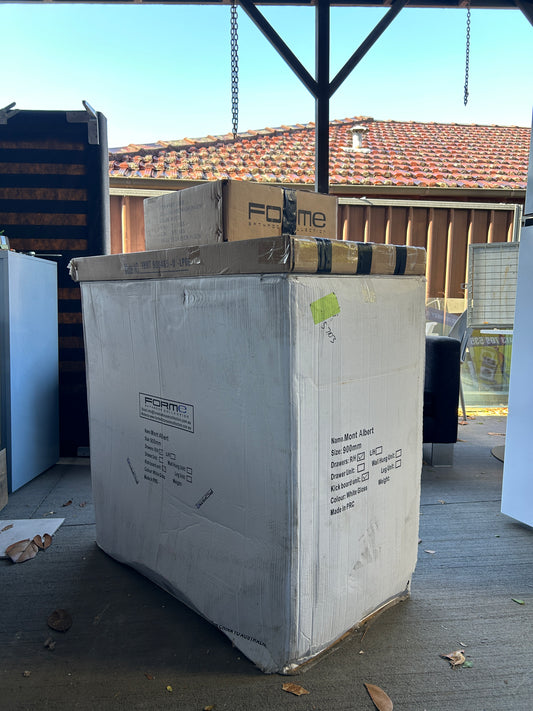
<point>232,210</point>
<point>267,255</point>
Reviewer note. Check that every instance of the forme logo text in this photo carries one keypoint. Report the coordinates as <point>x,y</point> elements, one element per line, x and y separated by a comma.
<point>166,412</point>
<point>274,214</point>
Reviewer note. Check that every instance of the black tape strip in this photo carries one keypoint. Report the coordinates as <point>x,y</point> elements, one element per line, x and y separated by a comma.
<point>323,246</point>
<point>364,258</point>
<point>288,225</point>
<point>292,255</point>
<point>401,259</point>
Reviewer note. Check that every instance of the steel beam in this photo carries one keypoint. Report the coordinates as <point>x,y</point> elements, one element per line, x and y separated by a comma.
<point>376,33</point>
<point>322,40</point>
<point>527,8</point>
<point>279,45</point>
<point>321,88</point>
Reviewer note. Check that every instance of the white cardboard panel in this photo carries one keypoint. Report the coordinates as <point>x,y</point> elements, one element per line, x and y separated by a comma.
<point>517,487</point>
<point>256,447</point>
<point>13,530</point>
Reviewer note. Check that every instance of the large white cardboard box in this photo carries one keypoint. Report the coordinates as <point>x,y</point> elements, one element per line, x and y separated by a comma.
<point>256,447</point>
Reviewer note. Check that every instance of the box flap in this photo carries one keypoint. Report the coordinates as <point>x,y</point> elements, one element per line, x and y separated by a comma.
<point>304,255</point>
<point>191,216</point>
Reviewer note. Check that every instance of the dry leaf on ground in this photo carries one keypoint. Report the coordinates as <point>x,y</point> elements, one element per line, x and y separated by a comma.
<point>148,676</point>
<point>26,673</point>
<point>59,620</point>
<point>22,550</point>
<point>6,528</point>
<point>490,411</point>
<point>44,542</point>
<point>455,658</point>
<point>50,644</point>
<point>67,503</point>
<point>169,688</point>
<point>381,700</point>
<point>295,689</point>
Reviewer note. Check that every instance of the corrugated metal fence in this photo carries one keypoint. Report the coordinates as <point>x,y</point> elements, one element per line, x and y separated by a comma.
<point>53,201</point>
<point>445,229</point>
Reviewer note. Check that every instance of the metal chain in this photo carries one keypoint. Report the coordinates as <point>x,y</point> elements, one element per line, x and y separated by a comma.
<point>467,63</point>
<point>234,69</point>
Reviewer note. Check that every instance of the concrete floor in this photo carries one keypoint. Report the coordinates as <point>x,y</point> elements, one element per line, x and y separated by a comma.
<point>130,641</point>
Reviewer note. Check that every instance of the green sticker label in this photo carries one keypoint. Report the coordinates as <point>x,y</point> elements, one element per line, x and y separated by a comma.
<point>325,308</point>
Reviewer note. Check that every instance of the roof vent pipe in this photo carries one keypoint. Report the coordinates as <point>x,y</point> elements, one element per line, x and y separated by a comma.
<point>358,132</point>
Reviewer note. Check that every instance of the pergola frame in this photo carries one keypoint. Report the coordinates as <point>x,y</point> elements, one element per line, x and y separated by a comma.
<point>320,85</point>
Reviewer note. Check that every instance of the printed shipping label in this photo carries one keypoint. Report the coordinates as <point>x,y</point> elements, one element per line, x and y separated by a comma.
<point>166,412</point>
<point>357,463</point>
<point>161,461</point>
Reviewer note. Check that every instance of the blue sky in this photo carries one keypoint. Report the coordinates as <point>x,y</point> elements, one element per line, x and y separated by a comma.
<point>163,72</point>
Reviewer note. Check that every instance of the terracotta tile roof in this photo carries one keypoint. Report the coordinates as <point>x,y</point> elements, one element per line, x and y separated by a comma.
<point>391,153</point>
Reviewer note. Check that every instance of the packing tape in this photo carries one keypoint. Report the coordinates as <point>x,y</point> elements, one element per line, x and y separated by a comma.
<point>317,255</point>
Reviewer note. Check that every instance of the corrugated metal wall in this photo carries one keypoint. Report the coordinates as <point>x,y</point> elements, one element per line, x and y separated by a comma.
<point>445,229</point>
